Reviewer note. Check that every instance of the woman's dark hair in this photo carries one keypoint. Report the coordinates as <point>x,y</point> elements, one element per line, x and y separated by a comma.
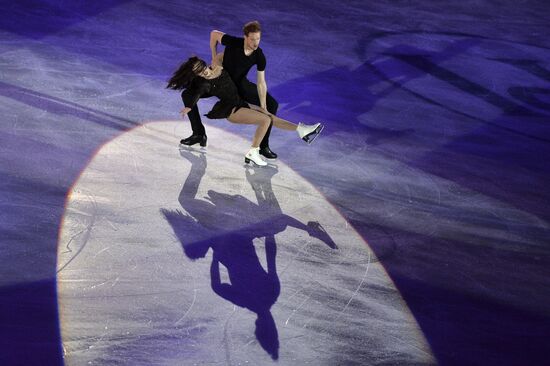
<point>185,74</point>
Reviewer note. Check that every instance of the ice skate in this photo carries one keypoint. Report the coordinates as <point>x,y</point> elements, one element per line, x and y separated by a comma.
<point>194,139</point>
<point>309,133</point>
<point>254,155</point>
<point>267,153</point>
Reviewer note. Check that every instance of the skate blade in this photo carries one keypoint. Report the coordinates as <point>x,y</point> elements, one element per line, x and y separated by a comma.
<point>247,161</point>
<point>312,136</point>
<point>191,147</point>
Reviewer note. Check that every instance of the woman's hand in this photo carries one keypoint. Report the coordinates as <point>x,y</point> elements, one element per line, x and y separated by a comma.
<point>184,112</point>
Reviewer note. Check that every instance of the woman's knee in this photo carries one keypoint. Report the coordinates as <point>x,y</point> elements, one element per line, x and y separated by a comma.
<point>265,120</point>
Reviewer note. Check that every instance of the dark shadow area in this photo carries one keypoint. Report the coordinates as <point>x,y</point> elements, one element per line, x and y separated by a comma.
<point>63,107</point>
<point>228,224</point>
<point>428,66</point>
<point>497,165</point>
<point>35,175</point>
<point>472,321</point>
<point>40,18</point>
<point>492,160</point>
<point>377,136</point>
<point>85,29</point>
<point>531,66</point>
<point>30,212</point>
<point>338,97</point>
<point>476,303</point>
<point>532,96</point>
<point>29,333</point>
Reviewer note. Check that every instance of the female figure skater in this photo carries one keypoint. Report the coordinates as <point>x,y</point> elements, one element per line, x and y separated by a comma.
<point>214,80</point>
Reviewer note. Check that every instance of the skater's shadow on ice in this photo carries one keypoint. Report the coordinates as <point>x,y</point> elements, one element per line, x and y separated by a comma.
<point>228,224</point>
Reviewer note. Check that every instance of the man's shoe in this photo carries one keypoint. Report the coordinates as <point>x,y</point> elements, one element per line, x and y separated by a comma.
<point>194,139</point>
<point>267,153</point>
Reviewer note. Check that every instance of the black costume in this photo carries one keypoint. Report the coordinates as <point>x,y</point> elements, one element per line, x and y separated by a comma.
<point>236,62</point>
<point>221,87</point>
<point>237,65</point>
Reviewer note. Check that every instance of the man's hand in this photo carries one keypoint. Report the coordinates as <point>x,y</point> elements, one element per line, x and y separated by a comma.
<point>184,111</point>
<point>260,109</point>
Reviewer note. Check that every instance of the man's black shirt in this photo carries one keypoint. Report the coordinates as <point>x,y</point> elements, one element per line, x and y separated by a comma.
<point>235,62</point>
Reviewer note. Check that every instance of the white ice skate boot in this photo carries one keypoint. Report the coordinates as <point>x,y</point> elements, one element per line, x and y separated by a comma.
<point>254,155</point>
<point>309,133</point>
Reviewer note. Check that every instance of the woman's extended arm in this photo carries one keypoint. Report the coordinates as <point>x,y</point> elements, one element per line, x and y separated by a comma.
<point>196,90</point>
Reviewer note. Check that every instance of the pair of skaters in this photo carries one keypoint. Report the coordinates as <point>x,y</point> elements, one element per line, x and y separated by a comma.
<point>240,101</point>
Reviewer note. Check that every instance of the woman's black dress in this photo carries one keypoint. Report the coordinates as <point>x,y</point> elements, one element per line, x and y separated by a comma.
<point>222,87</point>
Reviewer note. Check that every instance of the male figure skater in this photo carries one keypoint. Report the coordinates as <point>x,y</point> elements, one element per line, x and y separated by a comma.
<point>239,57</point>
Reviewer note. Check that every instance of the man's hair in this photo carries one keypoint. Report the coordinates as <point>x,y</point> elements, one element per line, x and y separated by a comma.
<point>252,27</point>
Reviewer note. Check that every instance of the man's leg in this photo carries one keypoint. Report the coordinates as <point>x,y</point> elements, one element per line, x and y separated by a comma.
<point>199,133</point>
<point>249,92</point>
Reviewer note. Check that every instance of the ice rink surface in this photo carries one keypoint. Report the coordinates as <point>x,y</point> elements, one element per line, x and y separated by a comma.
<point>415,230</point>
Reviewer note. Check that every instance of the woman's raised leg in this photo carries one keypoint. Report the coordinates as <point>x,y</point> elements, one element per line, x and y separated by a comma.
<point>308,133</point>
